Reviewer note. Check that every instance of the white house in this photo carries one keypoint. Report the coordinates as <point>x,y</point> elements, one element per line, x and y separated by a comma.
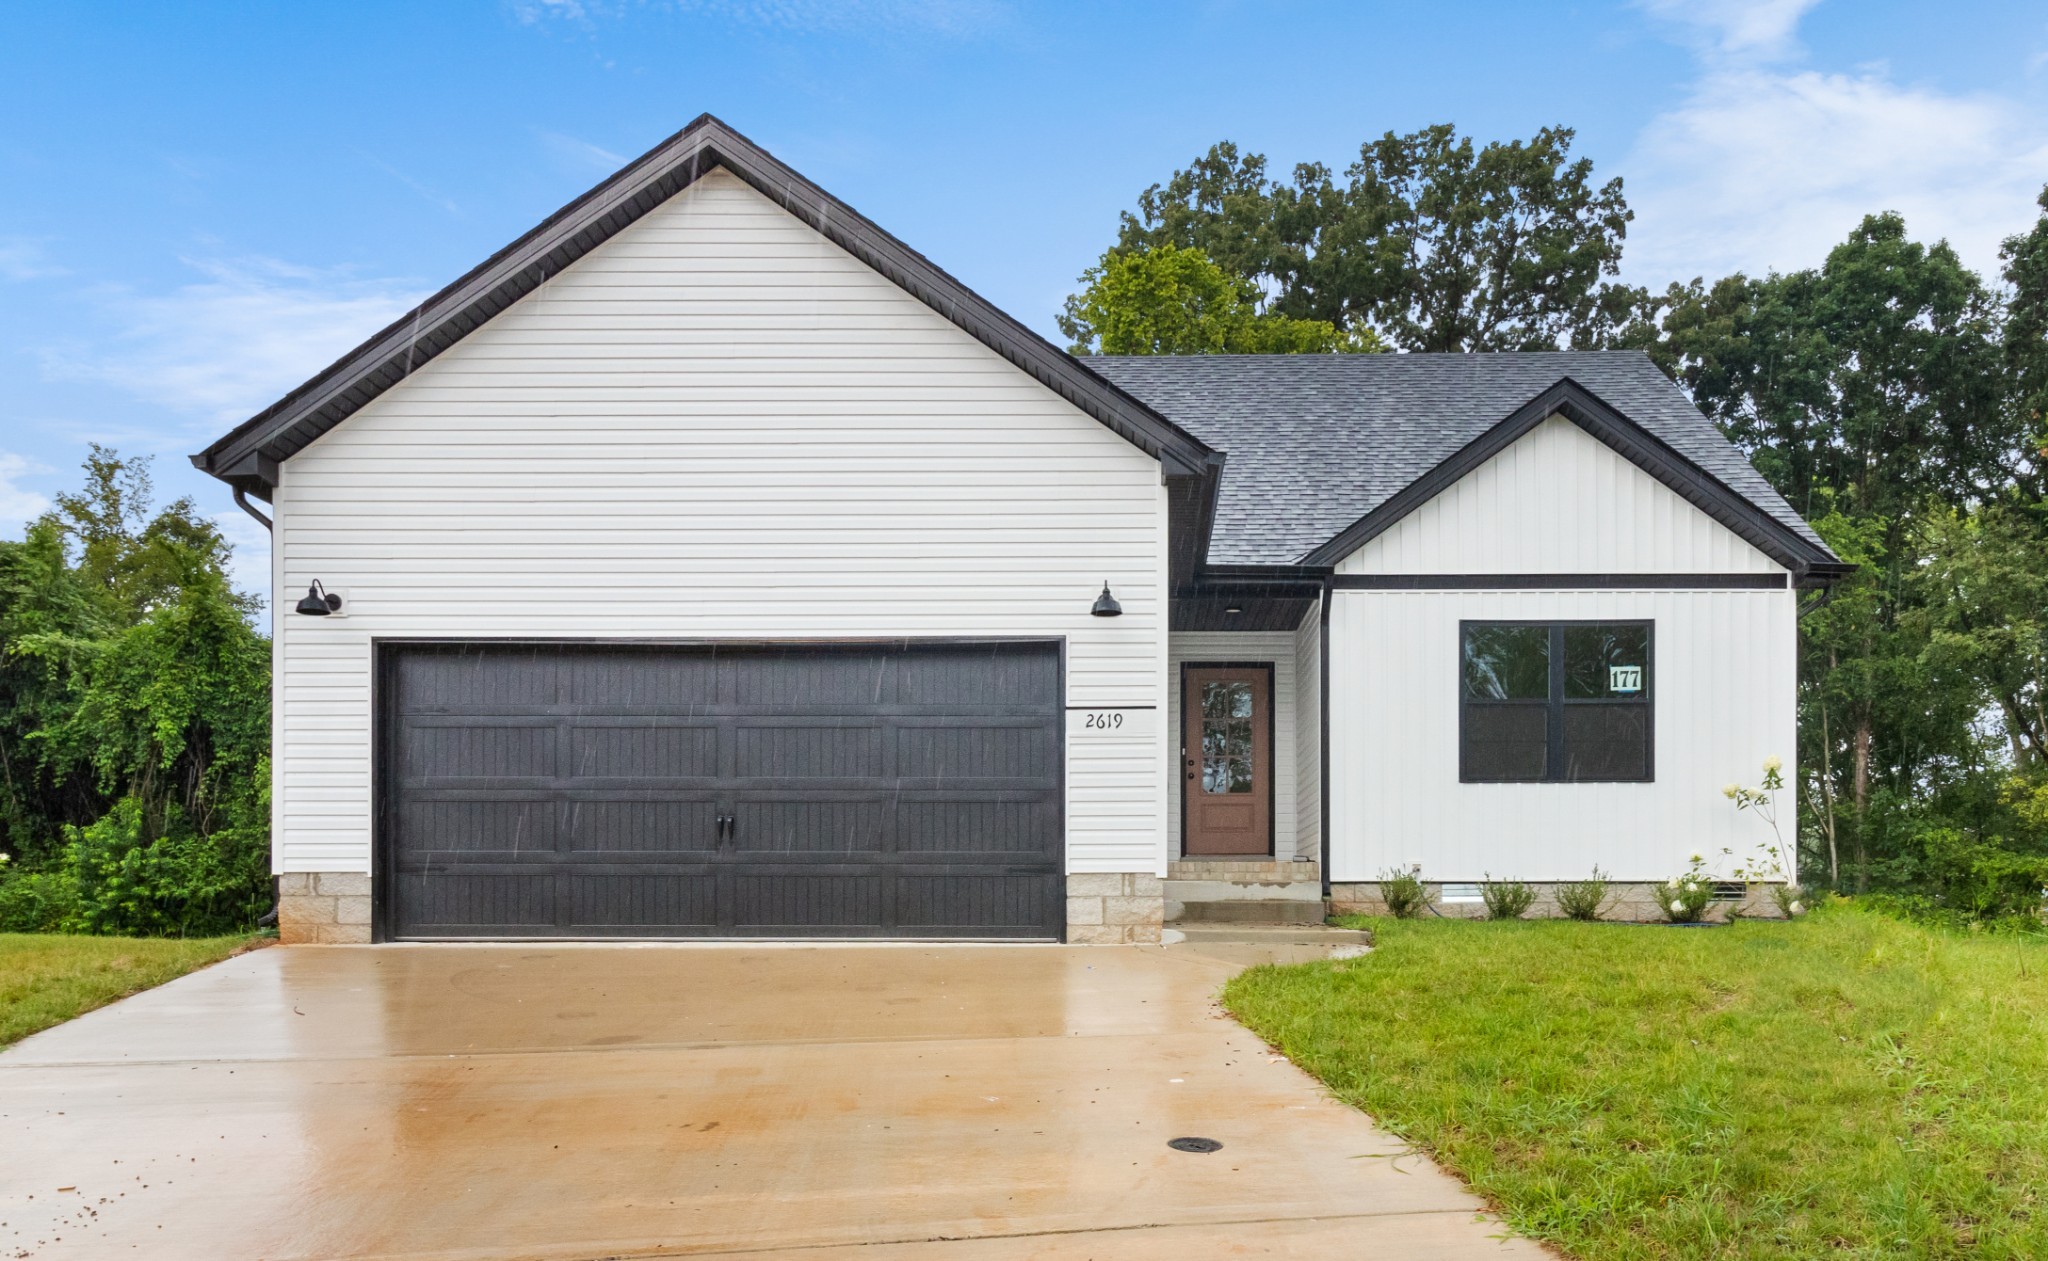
<point>709,563</point>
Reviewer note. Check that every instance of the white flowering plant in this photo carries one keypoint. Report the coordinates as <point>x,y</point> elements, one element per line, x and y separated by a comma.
<point>1772,863</point>
<point>1684,898</point>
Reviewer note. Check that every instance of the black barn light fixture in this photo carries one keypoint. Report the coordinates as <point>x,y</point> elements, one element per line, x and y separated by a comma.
<point>1106,605</point>
<point>317,603</point>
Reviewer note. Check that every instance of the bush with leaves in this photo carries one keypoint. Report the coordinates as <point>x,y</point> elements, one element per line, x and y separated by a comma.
<point>1506,899</point>
<point>1684,898</point>
<point>134,718</point>
<point>1405,894</point>
<point>1583,899</point>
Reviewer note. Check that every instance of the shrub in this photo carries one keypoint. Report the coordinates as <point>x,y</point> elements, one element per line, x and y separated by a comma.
<point>1404,893</point>
<point>1583,899</point>
<point>1980,877</point>
<point>37,901</point>
<point>1684,899</point>
<point>1507,899</point>
<point>173,883</point>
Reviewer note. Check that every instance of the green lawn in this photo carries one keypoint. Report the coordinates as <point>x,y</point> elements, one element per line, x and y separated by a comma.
<point>46,979</point>
<point>1843,1086</point>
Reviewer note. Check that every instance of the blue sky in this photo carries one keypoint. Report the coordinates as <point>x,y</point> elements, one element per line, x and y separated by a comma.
<point>201,204</point>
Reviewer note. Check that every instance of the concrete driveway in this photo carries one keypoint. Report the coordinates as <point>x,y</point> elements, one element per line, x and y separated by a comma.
<point>891,1103</point>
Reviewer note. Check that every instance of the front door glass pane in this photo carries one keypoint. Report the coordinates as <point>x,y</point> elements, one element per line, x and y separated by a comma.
<point>1226,737</point>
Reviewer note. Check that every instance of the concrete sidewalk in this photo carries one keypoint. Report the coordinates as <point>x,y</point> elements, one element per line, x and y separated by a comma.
<point>956,1103</point>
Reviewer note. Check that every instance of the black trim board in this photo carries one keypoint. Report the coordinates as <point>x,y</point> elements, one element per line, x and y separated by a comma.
<point>1587,410</point>
<point>248,456</point>
<point>1559,582</point>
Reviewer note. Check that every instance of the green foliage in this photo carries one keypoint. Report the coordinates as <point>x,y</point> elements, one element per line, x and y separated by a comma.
<point>134,718</point>
<point>1428,241</point>
<point>38,901</point>
<point>1848,1085</point>
<point>1684,898</point>
<point>1405,894</point>
<point>1506,899</point>
<point>1583,899</point>
<point>174,883</point>
<point>1172,301</point>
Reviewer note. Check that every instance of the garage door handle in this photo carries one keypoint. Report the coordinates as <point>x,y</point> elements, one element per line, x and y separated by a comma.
<point>725,825</point>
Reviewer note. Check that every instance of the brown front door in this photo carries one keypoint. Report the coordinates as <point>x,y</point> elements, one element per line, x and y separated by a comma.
<point>1226,760</point>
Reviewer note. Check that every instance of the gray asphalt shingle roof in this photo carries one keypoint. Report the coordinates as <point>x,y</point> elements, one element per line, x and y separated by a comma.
<point>1314,442</point>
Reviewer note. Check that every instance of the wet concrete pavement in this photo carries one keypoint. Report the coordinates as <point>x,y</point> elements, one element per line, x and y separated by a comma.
<point>891,1103</point>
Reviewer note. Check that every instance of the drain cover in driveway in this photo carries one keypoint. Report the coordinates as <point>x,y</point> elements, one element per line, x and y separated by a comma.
<point>1194,1144</point>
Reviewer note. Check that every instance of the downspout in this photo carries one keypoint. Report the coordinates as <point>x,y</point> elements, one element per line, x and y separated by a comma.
<point>242,502</point>
<point>1323,743</point>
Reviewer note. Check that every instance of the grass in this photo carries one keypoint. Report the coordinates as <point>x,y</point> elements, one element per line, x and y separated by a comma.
<point>49,978</point>
<point>1848,1085</point>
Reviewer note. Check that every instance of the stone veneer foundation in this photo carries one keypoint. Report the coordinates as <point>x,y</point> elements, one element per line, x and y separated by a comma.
<point>323,908</point>
<point>1115,909</point>
<point>333,908</point>
<point>1628,903</point>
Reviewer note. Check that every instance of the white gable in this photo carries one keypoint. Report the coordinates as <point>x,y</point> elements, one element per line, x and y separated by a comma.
<point>1560,501</point>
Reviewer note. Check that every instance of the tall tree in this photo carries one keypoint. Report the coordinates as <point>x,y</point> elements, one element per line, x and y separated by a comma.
<point>1429,241</point>
<point>1173,301</point>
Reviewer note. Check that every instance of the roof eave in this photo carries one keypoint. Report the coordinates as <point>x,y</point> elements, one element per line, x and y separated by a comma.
<point>1807,563</point>
<point>388,357</point>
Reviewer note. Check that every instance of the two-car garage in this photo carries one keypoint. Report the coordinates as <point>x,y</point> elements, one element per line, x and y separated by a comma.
<point>549,789</point>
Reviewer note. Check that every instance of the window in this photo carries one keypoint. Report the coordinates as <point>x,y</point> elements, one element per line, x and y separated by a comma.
<point>1555,702</point>
<point>1226,737</point>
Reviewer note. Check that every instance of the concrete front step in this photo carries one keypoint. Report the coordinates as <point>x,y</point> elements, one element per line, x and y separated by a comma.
<point>1249,911</point>
<point>1272,934</point>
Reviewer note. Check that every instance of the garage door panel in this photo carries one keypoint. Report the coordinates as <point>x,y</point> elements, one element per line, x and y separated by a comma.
<point>479,752</point>
<point>649,904</point>
<point>472,825</point>
<point>476,904</point>
<point>975,679</point>
<point>790,751</point>
<point>651,827</point>
<point>483,681</point>
<point>907,790</point>
<point>809,827</point>
<point>643,752</point>
<point>953,901</point>
<point>602,680</point>
<point>973,750</point>
<point>1008,828</point>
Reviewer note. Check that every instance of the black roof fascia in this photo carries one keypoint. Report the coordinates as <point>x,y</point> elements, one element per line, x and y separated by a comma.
<point>248,455</point>
<point>1808,564</point>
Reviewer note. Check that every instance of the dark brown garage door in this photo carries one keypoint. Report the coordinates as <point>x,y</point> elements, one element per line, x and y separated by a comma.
<point>555,790</point>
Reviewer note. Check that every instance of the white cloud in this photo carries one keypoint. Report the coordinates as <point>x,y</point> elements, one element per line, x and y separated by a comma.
<point>1768,163</point>
<point>229,344</point>
<point>23,259</point>
<point>18,504</point>
<point>1752,28</point>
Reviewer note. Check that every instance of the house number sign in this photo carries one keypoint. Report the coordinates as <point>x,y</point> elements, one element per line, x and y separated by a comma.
<point>1624,679</point>
<point>1108,723</point>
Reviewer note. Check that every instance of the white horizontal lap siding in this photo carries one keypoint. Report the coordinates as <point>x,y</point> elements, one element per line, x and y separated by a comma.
<point>1308,737</point>
<point>718,425</point>
<point>1277,647</point>
<point>1724,687</point>
<point>1559,501</point>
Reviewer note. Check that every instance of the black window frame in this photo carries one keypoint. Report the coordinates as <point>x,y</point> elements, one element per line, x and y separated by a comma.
<point>1555,757</point>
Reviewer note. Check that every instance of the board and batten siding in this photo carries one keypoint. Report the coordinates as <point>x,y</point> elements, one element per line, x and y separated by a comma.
<point>718,425</point>
<point>1308,735</point>
<point>1560,501</point>
<point>1256,647</point>
<point>1724,676</point>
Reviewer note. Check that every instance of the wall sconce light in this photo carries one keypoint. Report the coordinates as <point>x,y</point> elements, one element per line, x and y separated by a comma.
<point>1106,605</point>
<point>317,603</point>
